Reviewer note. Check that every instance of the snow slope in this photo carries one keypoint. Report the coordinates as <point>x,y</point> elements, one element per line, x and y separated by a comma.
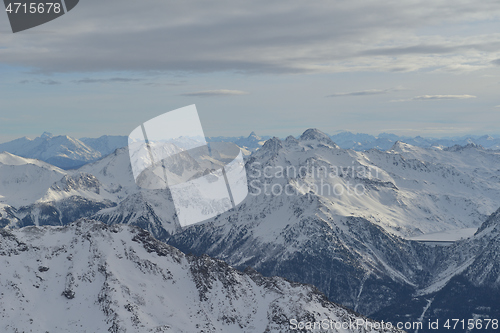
<point>407,190</point>
<point>384,141</point>
<point>90,277</point>
<point>447,236</point>
<point>23,181</point>
<point>106,144</point>
<point>63,151</point>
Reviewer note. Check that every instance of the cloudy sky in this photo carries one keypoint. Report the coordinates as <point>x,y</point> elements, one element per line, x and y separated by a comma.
<point>428,68</point>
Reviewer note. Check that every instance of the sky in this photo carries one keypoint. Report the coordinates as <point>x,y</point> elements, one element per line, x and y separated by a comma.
<point>429,68</point>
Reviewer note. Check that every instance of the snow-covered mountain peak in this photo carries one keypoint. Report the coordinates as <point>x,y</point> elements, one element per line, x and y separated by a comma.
<point>291,140</point>
<point>271,147</point>
<point>470,145</point>
<point>63,151</point>
<point>24,180</point>
<point>113,170</point>
<point>252,143</point>
<point>11,159</point>
<point>46,135</point>
<point>402,147</point>
<point>313,134</point>
<point>254,136</point>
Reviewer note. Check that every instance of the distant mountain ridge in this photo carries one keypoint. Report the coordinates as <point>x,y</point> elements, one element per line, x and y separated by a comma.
<point>461,175</point>
<point>106,144</point>
<point>384,141</point>
<point>64,151</point>
<point>67,152</point>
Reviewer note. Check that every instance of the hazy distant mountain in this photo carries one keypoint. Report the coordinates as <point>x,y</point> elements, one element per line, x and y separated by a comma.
<point>63,151</point>
<point>248,144</point>
<point>252,142</point>
<point>106,144</point>
<point>384,141</point>
<point>70,153</point>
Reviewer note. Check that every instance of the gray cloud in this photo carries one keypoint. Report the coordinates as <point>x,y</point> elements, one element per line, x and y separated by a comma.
<point>361,93</point>
<point>47,82</point>
<point>50,82</point>
<point>496,62</point>
<point>437,49</point>
<point>212,93</point>
<point>110,80</point>
<point>416,49</point>
<point>435,97</point>
<point>166,84</point>
<point>258,36</point>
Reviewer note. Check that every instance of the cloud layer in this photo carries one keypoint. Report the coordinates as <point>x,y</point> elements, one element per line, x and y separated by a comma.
<point>361,93</point>
<point>435,97</point>
<point>257,36</point>
<point>110,80</point>
<point>213,93</point>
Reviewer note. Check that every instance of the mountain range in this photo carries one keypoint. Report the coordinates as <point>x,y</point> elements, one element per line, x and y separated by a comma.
<point>64,151</point>
<point>384,141</point>
<point>70,153</point>
<point>317,213</point>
